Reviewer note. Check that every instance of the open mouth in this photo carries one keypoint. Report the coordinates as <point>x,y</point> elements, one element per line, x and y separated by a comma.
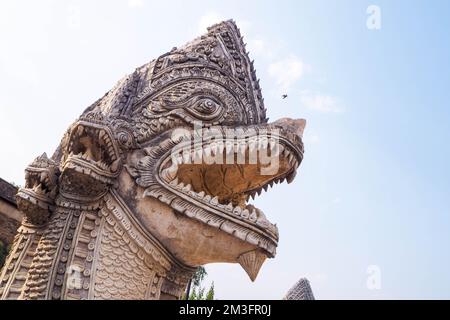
<point>36,198</point>
<point>91,151</point>
<point>224,175</point>
<point>38,188</point>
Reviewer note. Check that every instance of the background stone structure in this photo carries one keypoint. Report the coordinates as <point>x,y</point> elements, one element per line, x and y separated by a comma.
<point>300,291</point>
<point>10,216</point>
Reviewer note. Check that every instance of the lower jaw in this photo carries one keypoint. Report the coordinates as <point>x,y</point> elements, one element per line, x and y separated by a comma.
<point>225,221</point>
<point>37,208</point>
<point>89,169</point>
<point>83,182</point>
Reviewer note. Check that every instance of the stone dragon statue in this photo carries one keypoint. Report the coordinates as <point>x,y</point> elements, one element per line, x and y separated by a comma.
<point>117,213</point>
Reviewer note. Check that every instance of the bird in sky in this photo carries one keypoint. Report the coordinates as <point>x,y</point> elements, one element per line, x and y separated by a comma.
<point>284,96</point>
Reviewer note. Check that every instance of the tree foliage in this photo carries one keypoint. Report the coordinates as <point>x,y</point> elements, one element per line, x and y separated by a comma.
<point>197,291</point>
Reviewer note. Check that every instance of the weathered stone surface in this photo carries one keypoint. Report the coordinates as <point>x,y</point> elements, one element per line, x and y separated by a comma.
<point>154,180</point>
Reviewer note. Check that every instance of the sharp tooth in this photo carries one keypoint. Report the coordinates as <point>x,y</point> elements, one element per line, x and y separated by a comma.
<point>215,200</point>
<point>187,188</point>
<point>242,147</point>
<point>192,193</point>
<point>263,143</point>
<point>180,185</point>
<point>201,194</point>
<point>259,191</point>
<point>251,262</point>
<point>271,183</point>
<point>207,151</point>
<point>186,157</point>
<point>265,187</point>
<point>252,146</point>
<point>253,216</point>
<point>252,195</point>
<point>39,188</point>
<point>171,172</point>
<point>280,148</point>
<point>115,165</point>
<point>245,213</point>
<point>262,222</point>
<point>272,143</point>
<point>237,210</point>
<point>229,207</point>
<point>174,182</point>
<point>291,176</point>
<point>260,214</point>
<point>213,147</point>
<point>286,153</point>
<point>229,147</point>
<point>80,130</point>
<point>275,151</point>
<point>220,147</point>
<point>290,158</point>
<point>207,198</point>
<point>198,154</point>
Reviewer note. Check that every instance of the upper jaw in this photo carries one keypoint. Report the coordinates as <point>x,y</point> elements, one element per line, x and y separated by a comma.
<point>92,147</point>
<point>222,190</point>
<point>91,157</point>
<point>36,198</point>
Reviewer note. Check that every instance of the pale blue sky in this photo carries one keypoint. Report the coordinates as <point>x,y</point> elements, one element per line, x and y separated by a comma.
<point>374,185</point>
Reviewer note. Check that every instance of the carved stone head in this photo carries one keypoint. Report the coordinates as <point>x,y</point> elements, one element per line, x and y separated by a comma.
<point>181,145</point>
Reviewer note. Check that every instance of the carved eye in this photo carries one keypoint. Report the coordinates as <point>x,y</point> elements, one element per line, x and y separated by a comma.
<point>196,107</point>
<point>206,108</point>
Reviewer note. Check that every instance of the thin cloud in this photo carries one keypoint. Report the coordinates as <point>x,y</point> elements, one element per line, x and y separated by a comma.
<point>257,45</point>
<point>259,48</point>
<point>73,17</point>
<point>287,71</point>
<point>337,200</point>
<point>208,20</point>
<point>320,102</point>
<point>135,3</point>
<point>311,139</point>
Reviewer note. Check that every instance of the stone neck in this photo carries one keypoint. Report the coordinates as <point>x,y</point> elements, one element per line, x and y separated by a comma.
<point>95,253</point>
